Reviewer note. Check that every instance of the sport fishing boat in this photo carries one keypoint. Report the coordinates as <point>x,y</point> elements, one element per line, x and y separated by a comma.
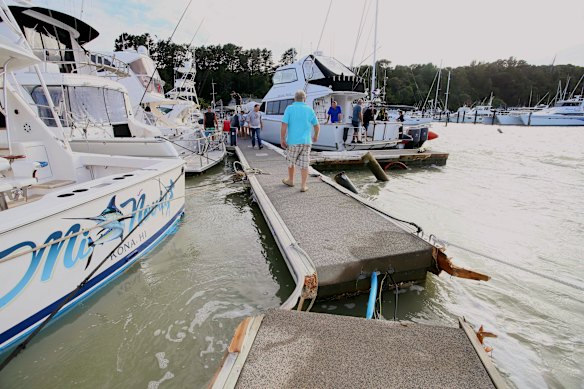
<point>567,112</point>
<point>477,114</point>
<point>324,79</point>
<point>80,81</point>
<point>176,117</point>
<point>70,222</point>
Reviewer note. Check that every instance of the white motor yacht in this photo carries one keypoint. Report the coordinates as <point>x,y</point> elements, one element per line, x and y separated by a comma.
<point>81,81</point>
<point>568,112</point>
<point>69,222</point>
<point>324,79</point>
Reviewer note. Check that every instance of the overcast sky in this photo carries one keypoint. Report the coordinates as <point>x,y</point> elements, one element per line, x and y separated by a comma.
<point>455,32</point>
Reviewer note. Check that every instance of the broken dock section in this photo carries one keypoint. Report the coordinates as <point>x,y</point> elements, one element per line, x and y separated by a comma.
<point>289,349</point>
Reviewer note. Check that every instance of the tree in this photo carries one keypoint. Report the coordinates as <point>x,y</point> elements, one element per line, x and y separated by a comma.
<point>288,57</point>
<point>128,41</point>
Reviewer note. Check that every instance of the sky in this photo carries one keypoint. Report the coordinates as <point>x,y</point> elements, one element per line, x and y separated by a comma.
<point>451,32</point>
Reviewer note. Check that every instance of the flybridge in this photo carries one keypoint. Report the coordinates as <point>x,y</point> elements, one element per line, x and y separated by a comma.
<point>57,39</point>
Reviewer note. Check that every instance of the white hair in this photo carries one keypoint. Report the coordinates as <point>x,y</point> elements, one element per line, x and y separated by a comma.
<point>300,96</point>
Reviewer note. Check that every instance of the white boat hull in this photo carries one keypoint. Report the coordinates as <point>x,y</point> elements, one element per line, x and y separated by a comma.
<point>383,135</point>
<point>552,120</point>
<point>49,246</point>
<point>508,120</point>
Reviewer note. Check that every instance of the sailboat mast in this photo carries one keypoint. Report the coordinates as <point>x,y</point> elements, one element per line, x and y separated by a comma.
<point>437,87</point>
<point>373,73</point>
<point>447,92</point>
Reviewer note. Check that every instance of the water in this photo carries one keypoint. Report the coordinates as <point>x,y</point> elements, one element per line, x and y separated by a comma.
<point>168,320</point>
<point>516,196</point>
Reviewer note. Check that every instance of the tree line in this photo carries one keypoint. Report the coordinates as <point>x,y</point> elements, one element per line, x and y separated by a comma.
<point>230,67</point>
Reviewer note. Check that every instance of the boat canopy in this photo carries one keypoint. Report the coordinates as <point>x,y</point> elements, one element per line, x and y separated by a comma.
<point>43,18</point>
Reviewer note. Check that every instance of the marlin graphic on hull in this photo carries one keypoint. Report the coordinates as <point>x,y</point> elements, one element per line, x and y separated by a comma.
<point>112,226</point>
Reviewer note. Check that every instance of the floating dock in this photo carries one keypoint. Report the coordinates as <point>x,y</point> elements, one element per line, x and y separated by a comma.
<point>289,349</point>
<point>332,241</point>
<point>343,160</point>
<point>343,239</point>
<point>331,238</point>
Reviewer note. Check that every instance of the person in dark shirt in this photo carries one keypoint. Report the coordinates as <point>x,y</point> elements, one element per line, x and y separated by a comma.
<point>236,97</point>
<point>368,116</point>
<point>210,123</point>
<point>401,116</point>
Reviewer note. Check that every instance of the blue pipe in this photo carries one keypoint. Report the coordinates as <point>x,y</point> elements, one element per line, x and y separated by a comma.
<point>372,296</point>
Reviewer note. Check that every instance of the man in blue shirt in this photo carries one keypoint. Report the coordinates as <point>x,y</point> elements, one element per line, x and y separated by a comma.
<point>295,135</point>
<point>335,115</point>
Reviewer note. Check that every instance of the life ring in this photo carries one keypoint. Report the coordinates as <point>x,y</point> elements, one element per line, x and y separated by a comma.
<point>399,165</point>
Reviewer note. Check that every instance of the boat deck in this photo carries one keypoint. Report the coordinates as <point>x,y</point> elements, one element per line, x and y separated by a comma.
<point>196,163</point>
<point>344,239</point>
<point>289,349</point>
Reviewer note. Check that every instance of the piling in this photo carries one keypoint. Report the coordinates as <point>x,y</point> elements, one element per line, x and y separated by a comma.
<point>374,166</point>
<point>343,180</point>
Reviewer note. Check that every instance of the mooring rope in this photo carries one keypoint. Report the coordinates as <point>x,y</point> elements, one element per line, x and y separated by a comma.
<point>187,149</point>
<point>504,262</point>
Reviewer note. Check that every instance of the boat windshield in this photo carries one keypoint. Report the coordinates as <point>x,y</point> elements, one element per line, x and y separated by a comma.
<point>81,104</point>
<point>331,67</point>
<point>144,69</point>
<point>283,76</point>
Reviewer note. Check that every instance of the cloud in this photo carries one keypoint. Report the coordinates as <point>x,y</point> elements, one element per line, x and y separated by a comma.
<point>453,31</point>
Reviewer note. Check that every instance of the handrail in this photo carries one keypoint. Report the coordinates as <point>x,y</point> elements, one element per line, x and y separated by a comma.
<point>100,61</point>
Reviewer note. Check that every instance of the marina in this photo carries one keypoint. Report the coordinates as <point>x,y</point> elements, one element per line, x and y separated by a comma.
<point>146,242</point>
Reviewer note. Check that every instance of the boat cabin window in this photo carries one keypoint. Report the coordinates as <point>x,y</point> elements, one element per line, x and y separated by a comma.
<point>277,107</point>
<point>570,104</point>
<point>52,44</point>
<point>42,103</point>
<point>81,104</point>
<point>144,69</point>
<point>285,75</point>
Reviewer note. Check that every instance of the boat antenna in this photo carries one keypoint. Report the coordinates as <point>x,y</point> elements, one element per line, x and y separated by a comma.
<point>576,87</point>
<point>359,32</point>
<point>324,24</point>
<point>158,62</point>
<point>318,45</point>
<point>374,71</point>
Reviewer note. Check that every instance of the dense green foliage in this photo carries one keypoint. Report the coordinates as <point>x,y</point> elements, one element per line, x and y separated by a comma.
<point>248,71</point>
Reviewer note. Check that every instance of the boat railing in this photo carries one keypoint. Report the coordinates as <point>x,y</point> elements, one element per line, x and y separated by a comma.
<point>76,61</point>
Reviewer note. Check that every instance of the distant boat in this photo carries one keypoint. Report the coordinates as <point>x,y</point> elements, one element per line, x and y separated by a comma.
<point>477,114</point>
<point>568,112</point>
<point>512,116</point>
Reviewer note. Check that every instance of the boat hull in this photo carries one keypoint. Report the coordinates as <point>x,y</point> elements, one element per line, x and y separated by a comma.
<point>552,120</point>
<point>383,135</point>
<point>508,120</point>
<point>43,261</point>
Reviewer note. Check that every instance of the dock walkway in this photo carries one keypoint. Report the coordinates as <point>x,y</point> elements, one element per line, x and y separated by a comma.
<point>345,239</point>
<point>289,349</point>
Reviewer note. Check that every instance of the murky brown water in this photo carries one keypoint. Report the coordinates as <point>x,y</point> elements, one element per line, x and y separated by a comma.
<point>516,196</point>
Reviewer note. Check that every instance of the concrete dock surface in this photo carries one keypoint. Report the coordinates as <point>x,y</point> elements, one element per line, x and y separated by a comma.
<point>345,239</point>
<point>290,349</point>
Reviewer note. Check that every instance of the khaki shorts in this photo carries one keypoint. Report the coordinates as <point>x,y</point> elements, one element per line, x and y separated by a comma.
<point>298,155</point>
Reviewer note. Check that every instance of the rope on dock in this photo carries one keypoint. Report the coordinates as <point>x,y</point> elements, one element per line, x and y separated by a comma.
<point>246,172</point>
<point>504,262</point>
